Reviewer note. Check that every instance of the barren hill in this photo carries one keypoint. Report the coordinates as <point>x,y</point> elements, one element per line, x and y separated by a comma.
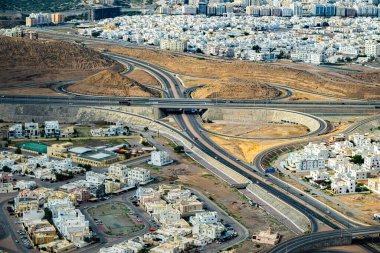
<point>28,61</point>
<point>111,83</point>
<point>235,88</point>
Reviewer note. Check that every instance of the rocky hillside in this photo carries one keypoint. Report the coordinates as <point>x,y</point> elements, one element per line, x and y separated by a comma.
<point>50,54</point>
<point>29,61</point>
<point>234,88</point>
<point>111,83</point>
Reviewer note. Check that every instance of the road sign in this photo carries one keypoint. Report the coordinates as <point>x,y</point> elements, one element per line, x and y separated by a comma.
<point>271,170</point>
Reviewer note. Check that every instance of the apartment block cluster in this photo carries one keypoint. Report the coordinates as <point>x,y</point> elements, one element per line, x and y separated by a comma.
<point>118,179</point>
<point>284,8</point>
<point>341,162</point>
<point>118,129</point>
<point>32,130</point>
<point>313,40</point>
<point>39,19</point>
<point>40,166</point>
<point>65,221</point>
<point>183,223</point>
<point>19,32</point>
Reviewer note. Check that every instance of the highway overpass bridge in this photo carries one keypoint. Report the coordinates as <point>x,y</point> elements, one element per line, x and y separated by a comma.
<point>314,241</point>
<point>171,105</point>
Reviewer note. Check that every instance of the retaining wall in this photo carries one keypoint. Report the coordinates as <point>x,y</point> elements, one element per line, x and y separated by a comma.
<point>263,115</point>
<point>67,114</point>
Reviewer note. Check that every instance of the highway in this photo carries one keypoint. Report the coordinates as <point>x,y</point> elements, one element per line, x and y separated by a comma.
<point>189,124</point>
<point>193,131</point>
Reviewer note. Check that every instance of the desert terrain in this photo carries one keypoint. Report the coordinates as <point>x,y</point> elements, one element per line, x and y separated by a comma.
<point>143,77</point>
<point>259,129</point>
<point>236,88</point>
<point>111,83</point>
<point>364,84</point>
<point>26,61</point>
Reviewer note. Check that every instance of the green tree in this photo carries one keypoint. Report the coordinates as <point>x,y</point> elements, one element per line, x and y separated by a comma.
<point>179,149</point>
<point>48,215</point>
<point>18,151</point>
<point>6,169</point>
<point>357,159</point>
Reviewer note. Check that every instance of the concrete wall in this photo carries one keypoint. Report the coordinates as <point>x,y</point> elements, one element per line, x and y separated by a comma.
<point>263,115</point>
<point>299,221</point>
<point>66,114</point>
<point>319,244</point>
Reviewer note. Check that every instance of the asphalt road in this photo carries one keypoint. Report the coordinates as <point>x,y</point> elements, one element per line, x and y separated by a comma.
<point>190,125</point>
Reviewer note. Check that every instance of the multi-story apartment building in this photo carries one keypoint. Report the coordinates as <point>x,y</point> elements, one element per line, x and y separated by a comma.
<point>138,176</point>
<point>160,158</point>
<point>175,45</point>
<point>57,18</point>
<point>372,48</point>
<point>95,178</point>
<point>51,129</point>
<point>31,130</point>
<point>15,131</point>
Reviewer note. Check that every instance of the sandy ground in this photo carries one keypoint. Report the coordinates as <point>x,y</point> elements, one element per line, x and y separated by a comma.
<point>112,83</point>
<point>256,130</point>
<point>143,77</point>
<point>26,61</point>
<point>16,76</point>
<point>32,91</point>
<point>284,73</point>
<point>191,81</point>
<point>367,204</point>
<point>245,150</point>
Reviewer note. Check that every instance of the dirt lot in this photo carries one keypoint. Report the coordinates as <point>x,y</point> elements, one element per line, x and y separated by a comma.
<point>115,219</point>
<point>32,91</point>
<point>367,204</point>
<point>245,150</point>
<point>143,77</point>
<point>296,75</point>
<point>259,129</point>
<point>236,88</point>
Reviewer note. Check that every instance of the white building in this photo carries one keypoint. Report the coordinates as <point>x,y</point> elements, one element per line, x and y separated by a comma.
<point>212,231</point>
<point>31,130</point>
<point>138,176</point>
<point>118,171</point>
<point>160,158</point>
<point>342,184</point>
<point>22,185</point>
<point>372,162</point>
<point>317,175</point>
<point>372,48</point>
<point>51,129</point>
<point>204,218</point>
<point>301,162</point>
<point>70,222</point>
<point>175,45</point>
<point>6,187</point>
<point>15,131</point>
<point>95,178</point>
